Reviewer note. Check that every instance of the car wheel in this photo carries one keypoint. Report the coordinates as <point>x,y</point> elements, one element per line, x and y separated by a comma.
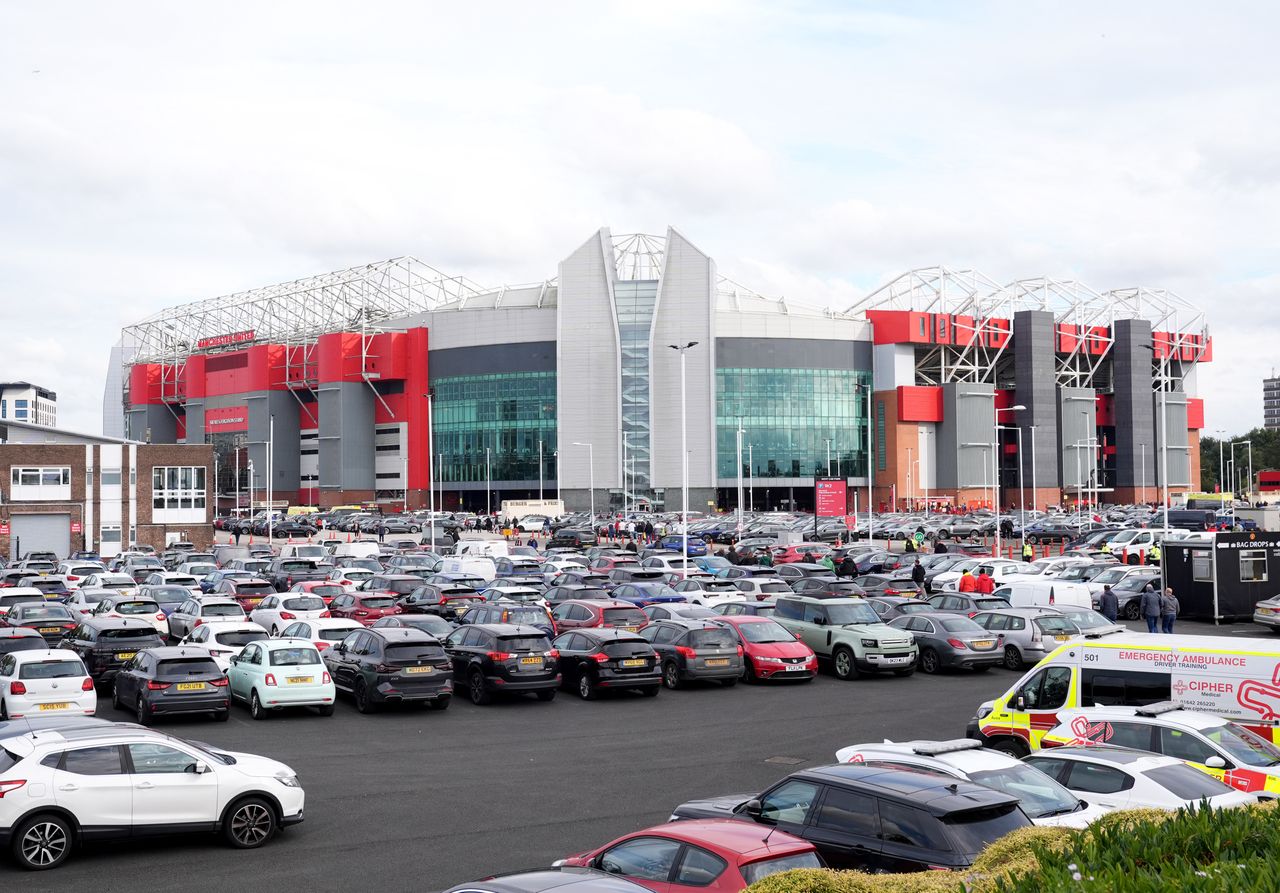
<point>42,842</point>
<point>586,687</point>
<point>1133,610</point>
<point>843,664</point>
<point>1012,659</point>
<point>929,661</point>
<point>250,824</point>
<point>670,675</point>
<point>364,703</point>
<point>1033,540</point>
<point>4,712</point>
<point>115,697</point>
<point>477,690</point>
<point>749,672</point>
<point>144,712</point>
<point>1014,747</point>
<point>547,694</point>
<point>256,710</point>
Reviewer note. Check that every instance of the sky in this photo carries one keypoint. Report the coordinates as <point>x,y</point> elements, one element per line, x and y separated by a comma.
<point>155,153</point>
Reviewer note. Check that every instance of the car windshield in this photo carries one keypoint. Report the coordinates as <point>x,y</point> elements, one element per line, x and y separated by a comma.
<point>974,829</point>
<point>187,666</point>
<point>1110,575</point>
<point>132,633</point>
<point>239,638</point>
<point>221,611</point>
<point>51,669</point>
<point>1041,796</point>
<point>377,601</point>
<point>840,615</point>
<point>765,633</point>
<point>960,625</point>
<point>303,603</point>
<point>759,870</point>
<point>294,657</point>
<point>1243,745</point>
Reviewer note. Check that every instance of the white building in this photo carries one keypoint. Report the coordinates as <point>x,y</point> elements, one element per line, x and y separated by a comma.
<point>22,401</point>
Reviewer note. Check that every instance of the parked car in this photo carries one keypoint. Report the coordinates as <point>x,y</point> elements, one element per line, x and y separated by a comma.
<point>890,585</point>
<point>51,682</point>
<point>142,607</point>
<point>198,611</point>
<point>891,606</point>
<point>171,680</point>
<point>20,639</point>
<point>52,621</point>
<point>695,650</point>
<point>968,603</point>
<point>748,609</point>
<point>678,611</point>
<point>225,640</point>
<point>440,599</point>
<point>427,623</point>
<point>325,632</point>
<point>1027,635</point>
<point>593,658</point>
<point>364,607</point>
<point>949,640</point>
<point>770,651</point>
<point>847,633</point>
<point>584,613</point>
<point>382,666</point>
<point>274,674</point>
<point>248,591</point>
<point>496,658</point>
<point>275,612</point>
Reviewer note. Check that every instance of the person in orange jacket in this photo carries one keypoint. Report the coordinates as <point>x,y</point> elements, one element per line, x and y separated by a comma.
<point>986,584</point>
<point>968,583</point>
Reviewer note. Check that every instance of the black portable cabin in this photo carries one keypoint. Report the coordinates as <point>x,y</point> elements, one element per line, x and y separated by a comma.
<point>1221,578</point>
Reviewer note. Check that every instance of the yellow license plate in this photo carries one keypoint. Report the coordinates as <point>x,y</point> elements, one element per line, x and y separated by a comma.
<point>190,686</point>
<point>983,643</point>
<point>300,680</point>
<point>718,662</point>
<point>50,629</point>
<point>634,662</point>
<point>125,655</point>
<point>1062,638</point>
<point>530,660</point>
<point>60,706</point>
<point>629,629</point>
<point>253,602</point>
<point>417,669</point>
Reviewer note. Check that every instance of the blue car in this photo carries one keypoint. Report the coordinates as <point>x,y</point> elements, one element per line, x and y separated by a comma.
<point>641,594</point>
<point>675,543</point>
<point>712,564</point>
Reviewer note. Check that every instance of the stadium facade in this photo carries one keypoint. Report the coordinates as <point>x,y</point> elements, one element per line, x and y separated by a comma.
<point>381,382</point>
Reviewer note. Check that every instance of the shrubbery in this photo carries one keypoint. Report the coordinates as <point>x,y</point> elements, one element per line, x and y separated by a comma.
<point>1139,851</point>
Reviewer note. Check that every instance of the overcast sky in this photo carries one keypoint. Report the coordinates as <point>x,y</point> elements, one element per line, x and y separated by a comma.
<point>157,153</point>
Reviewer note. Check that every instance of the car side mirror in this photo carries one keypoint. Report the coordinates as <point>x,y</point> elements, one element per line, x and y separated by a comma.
<point>1216,763</point>
<point>1021,703</point>
<point>200,767</point>
<point>753,808</point>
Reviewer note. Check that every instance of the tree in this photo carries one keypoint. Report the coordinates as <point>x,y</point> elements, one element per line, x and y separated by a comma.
<point>1266,455</point>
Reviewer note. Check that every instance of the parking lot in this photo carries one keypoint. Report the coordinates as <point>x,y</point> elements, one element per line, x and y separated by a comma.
<point>411,800</point>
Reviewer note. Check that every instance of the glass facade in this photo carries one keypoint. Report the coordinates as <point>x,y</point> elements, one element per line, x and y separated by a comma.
<point>506,413</point>
<point>635,303</point>
<point>787,417</point>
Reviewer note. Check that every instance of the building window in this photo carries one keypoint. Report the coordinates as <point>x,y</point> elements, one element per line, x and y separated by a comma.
<point>474,412</point>
<point>1253,566</point>
<point>109,536</point>
<point>41,477</point>
<point>178,494</point>
<point>111,477</point>
<point>19,404</point>
<point>1202,568</point>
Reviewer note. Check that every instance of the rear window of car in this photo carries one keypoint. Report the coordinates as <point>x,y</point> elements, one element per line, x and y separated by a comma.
<point>1183,781</point>
<point>961,625</point>
<point>138,607</point>
<point>126,634</point>
<point>334,635</point>
<point>377,601</point>
<point>335,589</point>
<point>187,666</point>
<point>51,669</point>
<point>118,584</point>
<point>255,589</point>
<point>308,603</point>
<point>39,612</point>
<point>402,587</point>
<point>171,594</point>
<point>625,616</point>
<point>526,616</point>
<point>1055,624</point>
<point>9,644</point>
<point>412,652</point>
<point>973,830</point>
<point>294,657</point>
<point>990,604</point>
<point>8,601</point>
<point>44,585</point>
<point>297,566</point>
<point>757,871</point>
<point>711,638</point>
<point>524,643</point>
<point>240,637</point>
<point>221,611</point>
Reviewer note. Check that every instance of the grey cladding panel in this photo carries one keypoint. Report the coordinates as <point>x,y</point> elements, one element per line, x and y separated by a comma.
<point>1078,424</point>
<point>531,356</point>
<point>964,438</point>
<point>1034,346</point>
<point>792,353</point>
<point>284,466</point>
<point>346,436</point>
<point>1135,418</point>
<point>1179,456</point>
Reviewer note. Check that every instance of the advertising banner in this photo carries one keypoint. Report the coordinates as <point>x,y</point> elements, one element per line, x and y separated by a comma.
<point>831,497</point>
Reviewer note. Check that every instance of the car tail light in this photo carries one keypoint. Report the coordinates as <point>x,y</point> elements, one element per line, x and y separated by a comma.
<point>87,685</point>
<point>198,622</point>
<point>160,615</point>
<point>321,646</point>
<point>285,615</point>
<point>600,657</point>
<point>152,685</point>
<point>500,655</point>
<point>288,581</point>
<point>973,614</point>
<point>554,654</point>
<point>270,679</point>
<point>740,651</point>
<point>218,683</point>
<point>73,578</point>
<point>657,656</point>
<point>686,652</point>
<point>956,643</point>
<point>17,688</point>
<point>326,679</point>
<point>325,614</point>
<point>9,786</point>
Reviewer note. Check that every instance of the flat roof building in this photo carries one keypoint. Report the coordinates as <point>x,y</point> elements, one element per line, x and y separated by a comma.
<point>22,401</point>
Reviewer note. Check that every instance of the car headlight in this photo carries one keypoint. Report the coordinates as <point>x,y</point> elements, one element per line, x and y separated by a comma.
<point>289,781</point>
<point>870,643</point>
<point>984,712</point>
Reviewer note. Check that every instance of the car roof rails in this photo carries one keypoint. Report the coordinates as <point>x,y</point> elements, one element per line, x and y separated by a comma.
<point>1158,709</point>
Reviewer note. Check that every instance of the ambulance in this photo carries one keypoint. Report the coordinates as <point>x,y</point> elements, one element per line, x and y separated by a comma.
<point>1233,678</point>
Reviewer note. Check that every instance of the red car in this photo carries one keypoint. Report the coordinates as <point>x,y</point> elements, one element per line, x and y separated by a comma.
<point>324,589</point>
<point>363,607</point>
<point>605,563</point>
<point>709,855</point>
<point>796,552</point>
<point>770,650</point>
<point>580,613</point>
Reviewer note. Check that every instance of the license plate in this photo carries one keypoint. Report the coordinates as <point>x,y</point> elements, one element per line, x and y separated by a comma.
<point>125,655</point>
<point>50,629</point>
<point>795,668</point>
<point>531,660</point>
<point>190,686</point>
<point>1062,638</point>
<point>629,629</point>
<point>59,706</point>
<point>984,643</point>
<point>718,662</point>
<point>253,602</point>
<point>417,669</point>
<point>301,680</point>
<point>634,662</point>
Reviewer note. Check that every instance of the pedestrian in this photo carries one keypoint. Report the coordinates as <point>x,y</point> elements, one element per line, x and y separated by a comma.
<point>235,531</point>
<point>917,573</point>
<point>766,558</point>
<point>939,547</point>
<point>1006,528</point>
<point>533,543</point>
<point>828,562</point>
<point>911,544</point>
<point>732,556</point>
<point>1151,608</point>
<point>807,558</point>
<point>1109,604</point>
<point>631,546</point>
<point>1168,611</point>
<point>382,532</point>
<point>986,585</point>
<point>1028,551</point>
<point>968,583</point>
<point>848,567</point>
<point>1153,557</point>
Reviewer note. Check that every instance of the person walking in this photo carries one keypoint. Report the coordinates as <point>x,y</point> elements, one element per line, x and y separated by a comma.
<point>1028,551</point>
<point>848,567</point>
<point>1151,608</point>
<point>968,583</point>
<point>732,556</point>
<point>1109,604</point>
<point>808,558</point>
<point>917,573</point>
<point>1153,557</point>
<point>1168,611</point>
<point>533,543</point>
<point>235,532</point>
<point>910,545</point>
<point>828,562</point>
<point>986,583</point>
<point>939,547</point>
<point>765,559</point>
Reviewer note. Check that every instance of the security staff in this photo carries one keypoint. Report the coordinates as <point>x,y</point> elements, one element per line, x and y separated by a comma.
<point>1153,557</point>
<point>1028,552</point>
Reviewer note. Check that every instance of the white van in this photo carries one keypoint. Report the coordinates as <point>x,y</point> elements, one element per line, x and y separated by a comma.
<point>358,549</point>
<point>304,550</point>
<point>1131,546</point>
<point>1045,594</point>
<point>473,565</point>
<point>491,548</point>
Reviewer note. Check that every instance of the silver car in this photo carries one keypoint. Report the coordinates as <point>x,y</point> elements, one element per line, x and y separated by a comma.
<point>949,640</point>
<point>1267,613</point>
<point>203,610</point>
<point>1028,634</point>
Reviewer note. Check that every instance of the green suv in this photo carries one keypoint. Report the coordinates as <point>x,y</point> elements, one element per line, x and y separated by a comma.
<point>847,633</point>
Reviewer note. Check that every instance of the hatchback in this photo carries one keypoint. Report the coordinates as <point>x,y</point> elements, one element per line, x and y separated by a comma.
<point>576,586</point>
<point>248,591</point>
<point>363,607</point>
<point>428,623</point>
<point>796,552</point>
<point>275,612</point>
<point>1028,634</point>
<point>820,586</point>
<point>277,673</point>
<point>445,600</point>
<point>225,640</point>
<point>949,640</point>
<point>45,683</point>
<point>196,612</point>
<point>966,603</point>
<point>324,633</point>
<point>20,639</point>
<point>891,606</point>
<point>770,651</point>
<point>169,681</point>
<point>494,658</point>
<point>512,613</point>
<point>138,606</point>
<point>382,666</point>
<point>586,613</point>
<point>889,585</point>
<point>748,609</point>
<point>592,659</point>
<point>681,612</point>
<point>51,621</point>
<point>695,650</point>
<point>106,644</point>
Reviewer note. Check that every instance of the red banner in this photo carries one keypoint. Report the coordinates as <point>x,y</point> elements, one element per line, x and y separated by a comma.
<point>224,340</point>
<point>228,418</point>
<point>831,497</point>
<point>4,528</point>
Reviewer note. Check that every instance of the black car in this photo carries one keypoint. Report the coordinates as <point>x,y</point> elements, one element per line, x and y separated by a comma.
<point>570,591</point>
<point>20,639</point>
<point>52,621</point>
<point>695,649</point>
<point>596,658</point>
<point>572,538</point>
<point>380,666</point>
<point>106,644</point>
<point>431,624</point>
<point>587,579</point>
<point>798,570</point>
<point>169,681</point>
<point>492,658</point>
<point>510,612</point>
<point>822,587</point>
<point>547,880</point>
<point>877,818</point>
<point>758,609</point>
<point>890,585</point>
<point>443,600</point>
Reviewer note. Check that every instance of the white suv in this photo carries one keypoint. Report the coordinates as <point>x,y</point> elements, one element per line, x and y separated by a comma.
<point>125,780</point>
<point>1044,800</point>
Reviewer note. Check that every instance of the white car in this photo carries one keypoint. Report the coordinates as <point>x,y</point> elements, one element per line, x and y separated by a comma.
<point>196,612</point>
<point>122,583</point>
<point>524,595</point>
<point>762,588</point>
<point>1120,778</point>
<point>349,578</point>
<point>49,682</point>
<point>225,640</point>
<point>673,563</point>
<point>83,600</point>
<point>197,569</point>
<point>137,607</point>
<point>169,578</point>
<point>948,580</point>
<point>1044,800</point>
<point>323,633</point>
<point>554,567</point>
<point>16,595</point>
<point>275,612</point>
<point>75,572</point>
<point>167,783</point>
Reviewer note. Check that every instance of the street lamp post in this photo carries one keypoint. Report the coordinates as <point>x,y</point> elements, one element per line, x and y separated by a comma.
<point>539,469</point>
<point>995,470</point>
<point>271,458</point>
<point>924,469</point>
<point>591,469</point>
<point>911,493</point>
<point>828,440</point>
<point>488,482</point>
<point>684,447</point>
<point>739,477</point>
<point>751,480</point>
<point>1222,469</point>
<point>431,469</point>
<point>1248,494</point>
<point>1035,493</point>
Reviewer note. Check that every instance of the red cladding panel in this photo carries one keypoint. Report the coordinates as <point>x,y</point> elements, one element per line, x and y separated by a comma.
<point>1068,338</point>
<point>308,416</point>
<point>943,329</point>
<point>392,412</point>
<point>1104,409</point>
<point>1099,340</point>
<point>1004,400</point>
<point>417,381</point>
<point>227,418</point>
<point>338,357</point>
<point>1195,413</point>
<point>919,404</point>
<point>386,358</point>
<point>890,326</point>
<point>144,384</point>
<point>195,376</point>
<point>997,332</point>
<point>966,330</point>
<point>1206,351</point>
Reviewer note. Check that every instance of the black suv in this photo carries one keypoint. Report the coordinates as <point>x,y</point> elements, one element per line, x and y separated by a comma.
<point>382,665</point>
<point>105,644</point>
<point>877,818</point>
<point>571,538</point>
<point>172,680</point>
<point>592,658</point>
<point>822,586</point>
<point>491,658</point>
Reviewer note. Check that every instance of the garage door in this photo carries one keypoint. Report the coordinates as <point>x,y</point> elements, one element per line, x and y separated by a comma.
<point>40,533</point>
